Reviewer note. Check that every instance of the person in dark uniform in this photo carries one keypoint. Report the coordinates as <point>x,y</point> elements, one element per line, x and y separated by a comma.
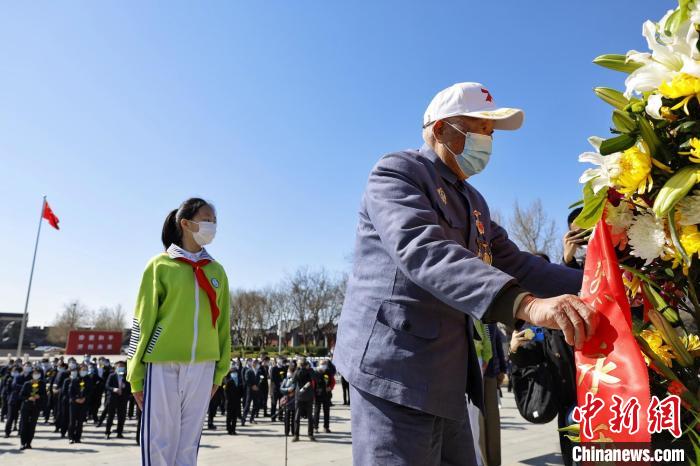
<point>288,389</point>
<point>346,390</point>
<point>78,391</point>
<point>104,370</point>
<point>138,422</point>
<point>33,397</point>
<point>60,412</point>
<point>14,400</point>
<point>233,390</point>
<point>331,371</point>
<point>305,381</point>
<point>263,375</point>
<point>117,393</point>
<point>5,380</point>
<point>324,387</point>
<point>251,392</point>
<point>98,388</point>
<point>50,373</point>
<point>214,404</point>
<point>277,375</point>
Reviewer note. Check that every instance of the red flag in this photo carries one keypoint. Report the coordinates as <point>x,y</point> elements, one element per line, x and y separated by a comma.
<point>50,216</point>
<point>610,365</point>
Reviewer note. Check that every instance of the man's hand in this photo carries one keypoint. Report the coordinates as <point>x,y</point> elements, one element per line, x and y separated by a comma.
<point>138,397</point>
<point>566,313</point>
<point>573,240</point>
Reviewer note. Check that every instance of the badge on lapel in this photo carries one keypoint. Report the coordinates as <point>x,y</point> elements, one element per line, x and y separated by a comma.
<point>443,196</point>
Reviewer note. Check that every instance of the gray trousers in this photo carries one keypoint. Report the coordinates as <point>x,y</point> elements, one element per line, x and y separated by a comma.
<point>388,434</point>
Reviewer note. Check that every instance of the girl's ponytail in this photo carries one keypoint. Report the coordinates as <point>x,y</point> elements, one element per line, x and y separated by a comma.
<point>171,230</point>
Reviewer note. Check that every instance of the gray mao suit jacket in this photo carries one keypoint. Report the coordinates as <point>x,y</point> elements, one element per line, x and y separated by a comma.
<point>428,260</point>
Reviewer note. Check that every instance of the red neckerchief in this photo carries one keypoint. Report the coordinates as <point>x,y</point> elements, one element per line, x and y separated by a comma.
<point>204,284</point>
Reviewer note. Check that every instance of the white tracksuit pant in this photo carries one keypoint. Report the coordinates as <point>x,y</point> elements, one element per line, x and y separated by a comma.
<point>175,401</point>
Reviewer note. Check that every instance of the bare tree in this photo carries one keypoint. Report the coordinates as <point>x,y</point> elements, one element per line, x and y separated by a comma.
<point>281,312</point>
<point>328,316</point>
<point>247,308</point>
<point>107,318</point>
<point>73,316</point>
<point>533,230</point>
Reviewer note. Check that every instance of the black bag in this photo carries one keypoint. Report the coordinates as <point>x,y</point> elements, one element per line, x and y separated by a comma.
<point>536,394</point>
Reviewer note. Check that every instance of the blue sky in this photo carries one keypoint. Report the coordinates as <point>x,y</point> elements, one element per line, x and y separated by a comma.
<point>276,111</point>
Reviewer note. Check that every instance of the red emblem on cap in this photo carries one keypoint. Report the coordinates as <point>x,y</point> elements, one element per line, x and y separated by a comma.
<point>488,95</point>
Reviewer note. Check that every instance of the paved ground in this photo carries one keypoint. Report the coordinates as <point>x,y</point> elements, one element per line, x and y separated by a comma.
<point>264,444</point>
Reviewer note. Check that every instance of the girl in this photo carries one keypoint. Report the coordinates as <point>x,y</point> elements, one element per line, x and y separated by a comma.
<point>180,341</point>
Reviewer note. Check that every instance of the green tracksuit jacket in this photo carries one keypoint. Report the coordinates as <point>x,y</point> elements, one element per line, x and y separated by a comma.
<point>173,320</point>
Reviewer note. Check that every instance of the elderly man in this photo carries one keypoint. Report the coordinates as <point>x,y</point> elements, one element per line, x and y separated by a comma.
<point>428,261</point>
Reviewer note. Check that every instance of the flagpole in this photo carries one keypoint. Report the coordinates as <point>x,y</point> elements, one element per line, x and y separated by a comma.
<point>31,276</point>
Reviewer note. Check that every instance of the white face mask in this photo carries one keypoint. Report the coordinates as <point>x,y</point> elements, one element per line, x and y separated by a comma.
<point>476,153</point>
<point>206,233</point>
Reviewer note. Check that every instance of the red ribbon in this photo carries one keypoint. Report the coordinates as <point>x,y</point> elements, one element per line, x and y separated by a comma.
<point>612,356</point>
<point>205,285</point>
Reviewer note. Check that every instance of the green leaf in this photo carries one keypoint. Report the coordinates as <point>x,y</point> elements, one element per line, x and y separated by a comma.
<point>617,144</point>
<point>576,204</point>
<point>612,97</point>
<point>648,135</point>
<point>623,121</point>
<point>593,206</point>
<point>616,62</point>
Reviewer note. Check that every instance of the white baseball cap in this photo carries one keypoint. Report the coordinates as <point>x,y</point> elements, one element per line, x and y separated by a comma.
<point>472,100</point>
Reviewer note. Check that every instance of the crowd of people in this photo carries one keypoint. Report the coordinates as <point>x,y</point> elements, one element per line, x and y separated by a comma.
<point>68,394</point>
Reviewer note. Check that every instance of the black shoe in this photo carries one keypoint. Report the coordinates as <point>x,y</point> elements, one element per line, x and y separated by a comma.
<point>211,427</point>
<point>72,442</point>
<point>327,430</point>
<point>312,438</point>
<point>98,425</point>
<point>295,439</point>
<point>107,436</point>
<point>7,435</point>
<point>29,446</point>
<point>316,429</point>
<point>23,447</point>
<point>120,436</point>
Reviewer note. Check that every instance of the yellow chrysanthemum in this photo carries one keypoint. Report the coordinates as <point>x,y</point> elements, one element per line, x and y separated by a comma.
<point>690,239</point>
<point>633,173</point>
<point>656,343</point>
<point>681,85</point>
<point>692,343</point>
<point>694,153</point>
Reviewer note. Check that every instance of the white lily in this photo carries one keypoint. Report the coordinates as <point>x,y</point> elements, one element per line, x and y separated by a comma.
<point>653,107</point>
<point>670,55</point>
<point>608,166</point>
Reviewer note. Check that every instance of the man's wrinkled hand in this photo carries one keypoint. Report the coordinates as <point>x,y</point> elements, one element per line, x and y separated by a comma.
<point>566,313</point>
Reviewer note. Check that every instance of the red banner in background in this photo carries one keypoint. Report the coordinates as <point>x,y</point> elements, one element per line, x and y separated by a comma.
<point>93,342</point>
<point>611,376</point>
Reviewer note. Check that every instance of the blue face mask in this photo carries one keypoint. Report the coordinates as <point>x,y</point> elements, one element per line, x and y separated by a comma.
<point>121,371</point>
<point>476,153</point>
